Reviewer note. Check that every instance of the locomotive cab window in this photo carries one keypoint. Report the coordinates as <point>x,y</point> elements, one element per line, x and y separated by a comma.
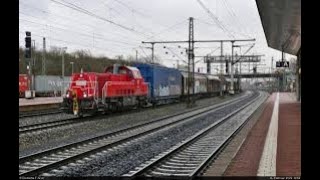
<point>136,74</point>
<point>123,71</point>
<point>130,74</point>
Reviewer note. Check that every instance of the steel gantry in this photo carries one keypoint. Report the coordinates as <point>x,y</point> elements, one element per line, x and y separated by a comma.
<point>190,50</point>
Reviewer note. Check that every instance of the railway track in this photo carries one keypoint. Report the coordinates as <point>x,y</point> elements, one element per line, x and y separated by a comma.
<point>50,125</point>
<point>32,128</point>
<point>189,157</point>
<point>39,113</point>
<point>57,111</point>
<point>53,159</point>
<point>65,122</point>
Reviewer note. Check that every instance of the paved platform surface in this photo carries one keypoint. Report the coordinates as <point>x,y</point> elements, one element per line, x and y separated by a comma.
<point>289,137</point>
<point>39,101</point>
<point>220,164</point>
<point>246,161</point>
<point>273,145</point>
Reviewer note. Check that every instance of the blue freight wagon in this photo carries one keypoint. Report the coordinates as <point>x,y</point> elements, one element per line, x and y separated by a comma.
<point>165,84</point>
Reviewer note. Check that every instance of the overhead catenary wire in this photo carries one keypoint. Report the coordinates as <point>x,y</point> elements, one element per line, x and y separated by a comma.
<point>71,42</point>
<point>119,13</point>
<point>66,3</point>
<point>214,50</point>
<point>130,8</point>
<point>239,19</point>
<point>122,12</point>
<point>84,11</point>
<point>77,8</point>
<point>215,19</point>
<point>175,54</point>
<point>74,21</point>
<point>83,34</point>
<point>139,12</point>
<point>214,25</point>
<point>66,30</point>
<point>168,29</point>
<point>234,18</point>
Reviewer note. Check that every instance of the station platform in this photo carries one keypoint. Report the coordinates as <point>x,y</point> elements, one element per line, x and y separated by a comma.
<point>39,103</point>
<point>271,147</point>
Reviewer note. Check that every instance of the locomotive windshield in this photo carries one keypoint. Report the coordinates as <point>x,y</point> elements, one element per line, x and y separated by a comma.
<point>136,74</point>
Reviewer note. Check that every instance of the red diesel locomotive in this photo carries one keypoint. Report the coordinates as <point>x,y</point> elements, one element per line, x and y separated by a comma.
<point>116,88</point>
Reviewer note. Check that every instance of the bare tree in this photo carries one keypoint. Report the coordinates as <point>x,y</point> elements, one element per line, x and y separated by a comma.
<point>82,54</point>
<point>130,58</point>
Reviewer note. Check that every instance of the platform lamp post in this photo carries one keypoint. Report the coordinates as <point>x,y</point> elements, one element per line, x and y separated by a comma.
<point>63,51</point>
<point>71,67</point>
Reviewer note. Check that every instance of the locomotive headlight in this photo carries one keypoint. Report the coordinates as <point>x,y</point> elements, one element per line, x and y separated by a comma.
<point>67,95</point>
<point>84,95</point>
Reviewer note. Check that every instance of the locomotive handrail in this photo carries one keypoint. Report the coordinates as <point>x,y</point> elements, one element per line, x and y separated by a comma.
<point>103,95</point>
<point>86,88</point>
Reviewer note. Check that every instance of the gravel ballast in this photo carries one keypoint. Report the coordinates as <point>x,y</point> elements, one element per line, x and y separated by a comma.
<point>32,143</point>
<point>43,118</point>
<point>118,162</point>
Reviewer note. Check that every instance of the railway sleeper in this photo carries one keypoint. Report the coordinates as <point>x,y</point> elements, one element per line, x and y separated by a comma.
<point>179,164</point>
<point>185,158</point>
<point>167,174</point>
<point>189,153</point>
<point>184,161</point>
<point>177,167</point>
<point>159,169</point>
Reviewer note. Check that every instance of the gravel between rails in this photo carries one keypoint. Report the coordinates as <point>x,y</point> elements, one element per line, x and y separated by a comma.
<point>197,153</point>
<point>39,113</point>
<point>43,118</point>
<point>32,143</point>
<point>117,162</point>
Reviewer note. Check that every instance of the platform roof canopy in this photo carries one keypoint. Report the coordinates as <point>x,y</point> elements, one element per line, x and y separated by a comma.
<point>281,21</point>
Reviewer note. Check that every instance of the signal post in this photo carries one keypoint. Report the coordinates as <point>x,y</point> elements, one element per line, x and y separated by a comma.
<point>29,94</point>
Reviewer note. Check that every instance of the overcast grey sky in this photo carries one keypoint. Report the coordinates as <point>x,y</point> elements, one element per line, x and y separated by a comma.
<point>134,21</point>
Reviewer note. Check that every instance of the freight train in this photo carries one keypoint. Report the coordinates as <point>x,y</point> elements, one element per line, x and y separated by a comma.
<point>44,86</point>
<point>120,87</point>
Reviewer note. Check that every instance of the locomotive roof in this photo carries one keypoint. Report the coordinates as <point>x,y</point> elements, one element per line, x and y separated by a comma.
<point>123,66</point>
<point>131,68</point>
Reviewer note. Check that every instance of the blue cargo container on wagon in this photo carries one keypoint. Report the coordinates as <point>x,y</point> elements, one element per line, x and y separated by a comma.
<point>165,84</point>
